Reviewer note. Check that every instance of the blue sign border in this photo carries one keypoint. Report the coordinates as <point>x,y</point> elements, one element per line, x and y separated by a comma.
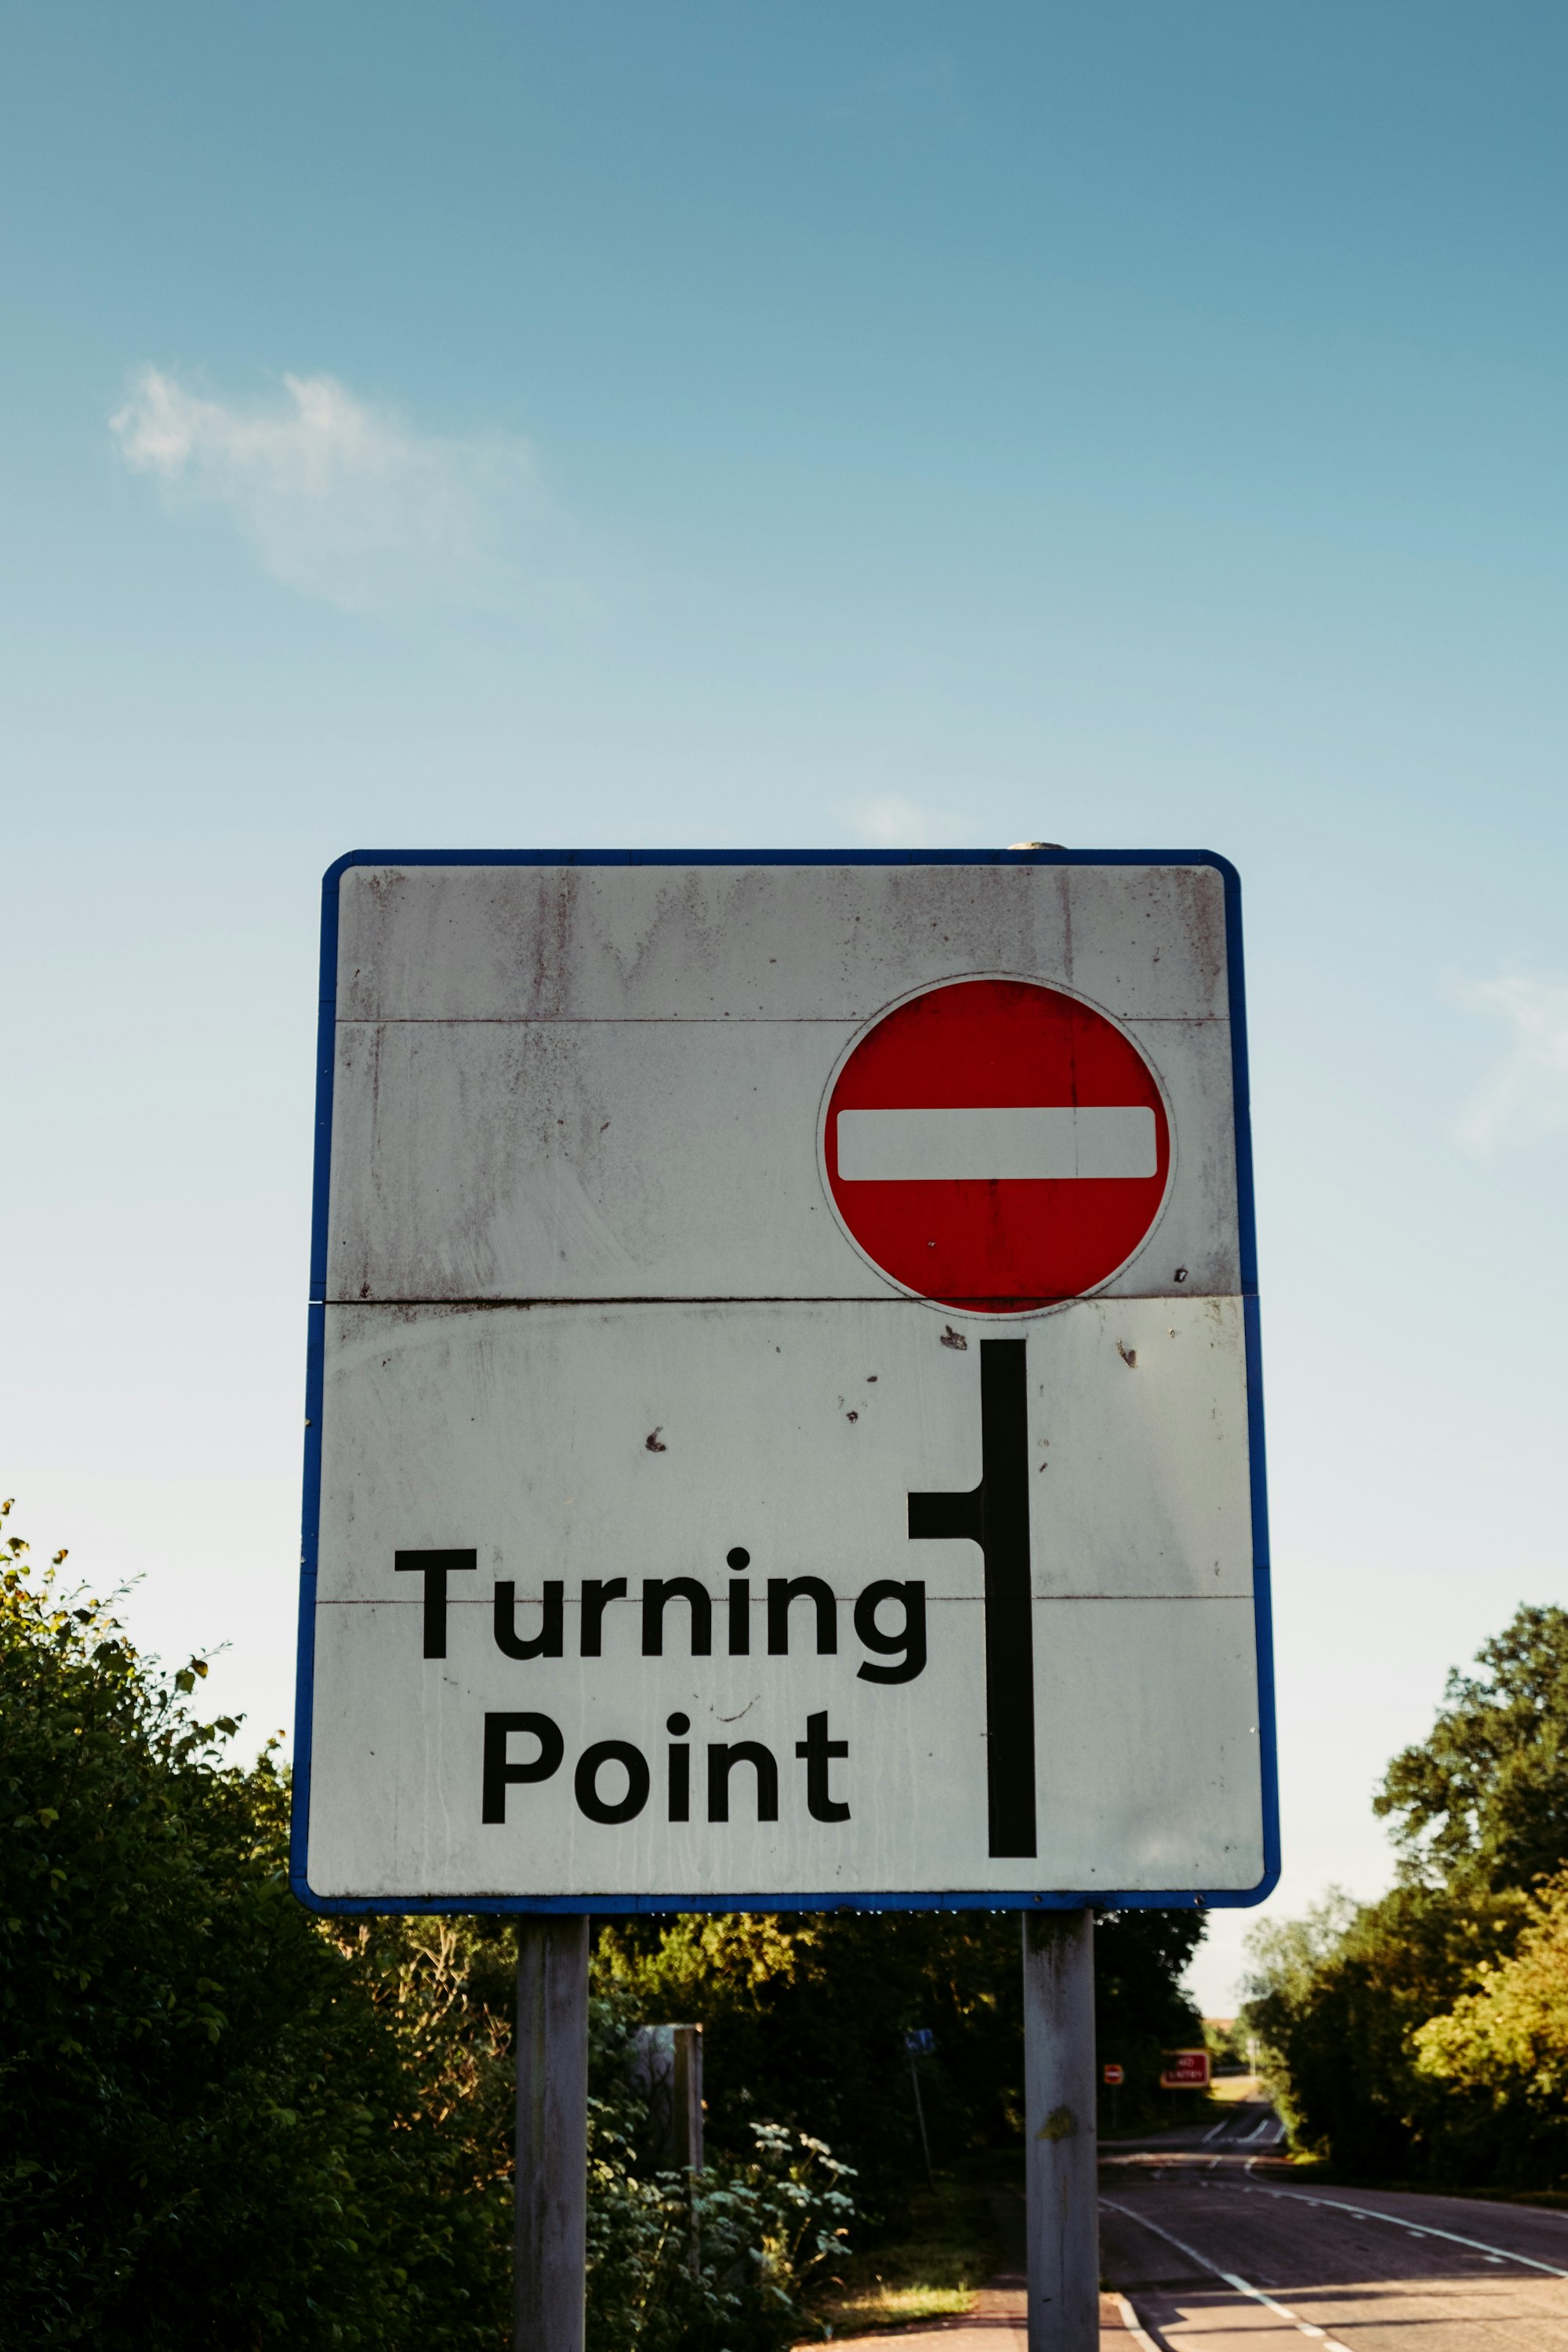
<point>1074,1898</point>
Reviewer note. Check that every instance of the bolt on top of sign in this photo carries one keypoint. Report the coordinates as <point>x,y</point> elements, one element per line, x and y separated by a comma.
<point>783,1423</point>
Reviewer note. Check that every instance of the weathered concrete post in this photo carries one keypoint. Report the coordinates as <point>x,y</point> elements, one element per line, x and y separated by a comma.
<point>550,2247</point>
<point>1060,2165</point>
<point>667,2068</point>
<point>686,2097</point>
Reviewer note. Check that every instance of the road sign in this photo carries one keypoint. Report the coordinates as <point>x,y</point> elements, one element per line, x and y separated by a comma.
<point>1113,2076</point>
<point>996,1145</point>
<point>1185,2070</point>
<point>783,1423</point>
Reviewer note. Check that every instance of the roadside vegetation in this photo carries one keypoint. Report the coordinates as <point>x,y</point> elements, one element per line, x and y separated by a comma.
<point>946,2243</point>
<point>225,2122</point>
<point>1425,2037</point>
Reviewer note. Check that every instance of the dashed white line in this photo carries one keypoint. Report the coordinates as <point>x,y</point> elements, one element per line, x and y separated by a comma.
<point>1255,2293</point>
<point>1398,2222</point>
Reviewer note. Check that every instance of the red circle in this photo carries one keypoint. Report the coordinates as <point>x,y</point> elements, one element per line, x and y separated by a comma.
<point>996,1244</point>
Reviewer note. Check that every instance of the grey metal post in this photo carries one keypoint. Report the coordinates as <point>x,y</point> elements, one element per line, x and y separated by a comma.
<point>1060,2157</point>
<point>550,2242</point>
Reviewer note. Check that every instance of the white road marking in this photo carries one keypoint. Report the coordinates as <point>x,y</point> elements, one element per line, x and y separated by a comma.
<point>1337,2204</point>
<point>1320,2335</point>
<point>995,1145</point>
<point>1130,2321</point>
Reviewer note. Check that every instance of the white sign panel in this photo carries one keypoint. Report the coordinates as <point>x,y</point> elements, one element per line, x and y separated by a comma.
<point>785,1415</point>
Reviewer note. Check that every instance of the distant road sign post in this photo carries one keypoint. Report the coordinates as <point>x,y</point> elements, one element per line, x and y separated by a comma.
<point>783,1423</point>
<point>920,2043</point>
<point>1185,2070</point>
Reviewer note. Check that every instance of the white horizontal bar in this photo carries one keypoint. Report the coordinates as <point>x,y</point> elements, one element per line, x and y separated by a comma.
<point>999,1145</point>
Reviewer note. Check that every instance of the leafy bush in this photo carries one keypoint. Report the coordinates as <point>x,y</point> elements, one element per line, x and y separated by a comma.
<point>716,2261</point>
<point>210,2132</point>
<point>227,2123</point>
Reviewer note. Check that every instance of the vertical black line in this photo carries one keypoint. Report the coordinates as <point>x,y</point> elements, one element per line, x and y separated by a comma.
<point>1009,1614</point>
<point>995,1516</point>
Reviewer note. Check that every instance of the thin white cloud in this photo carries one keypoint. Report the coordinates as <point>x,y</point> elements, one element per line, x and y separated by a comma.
<point>890,822</point>
<point>1526,1095</point>
<point>341,497</point>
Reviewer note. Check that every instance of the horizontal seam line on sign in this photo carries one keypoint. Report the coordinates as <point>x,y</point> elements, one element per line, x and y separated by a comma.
<point>687,1020</point>
<point>796,1298</point>
<point>1405,2221</point>
<point>1307,2326</point>
<point>962,1599</point>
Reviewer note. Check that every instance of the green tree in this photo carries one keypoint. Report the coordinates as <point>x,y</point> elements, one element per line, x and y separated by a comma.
<point>209,2134</point>
<point>1336,1999</point>
<point>805,2018</point>
<point>1500,2053</point>
<point>1482,1802</point>
<point>1141,2007</point>
<point>1351,2001</point>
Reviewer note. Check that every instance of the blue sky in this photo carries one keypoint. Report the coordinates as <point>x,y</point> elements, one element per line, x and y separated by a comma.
<point>777,425</point>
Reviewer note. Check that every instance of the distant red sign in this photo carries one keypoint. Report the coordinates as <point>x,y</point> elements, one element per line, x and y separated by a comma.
<point>1185,2070</point>
<point>1113,2076</point>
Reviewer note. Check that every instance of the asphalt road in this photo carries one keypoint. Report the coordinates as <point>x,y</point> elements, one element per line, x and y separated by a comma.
<point>1218,2250</point>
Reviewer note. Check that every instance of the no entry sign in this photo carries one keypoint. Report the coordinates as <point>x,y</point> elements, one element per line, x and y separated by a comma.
<point>783,1423</point>
<point>997,1144</point>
